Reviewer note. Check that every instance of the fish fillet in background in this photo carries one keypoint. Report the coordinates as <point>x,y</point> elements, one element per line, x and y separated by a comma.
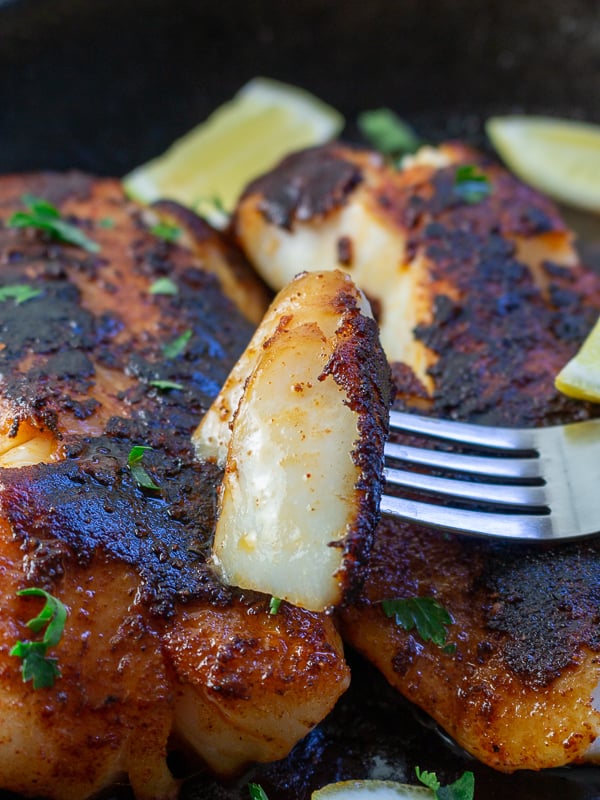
<point>156,654</point>
<point>481,300</point>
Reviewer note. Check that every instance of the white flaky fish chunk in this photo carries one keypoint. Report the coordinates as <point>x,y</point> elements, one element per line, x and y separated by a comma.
<point>299,429</point>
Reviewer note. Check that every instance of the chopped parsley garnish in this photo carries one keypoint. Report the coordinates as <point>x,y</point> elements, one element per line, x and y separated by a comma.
<point>163,286</point>
<point>36,665</point>
<point>257,792</point>
<point>19,292</point>
<point>106,222</point>
<point>134,459</point>
<point>461,789</point>
<point>166,231</point>
<point>471,185</point>
<point>44,216</point>
<point>166,385</point>
<point>387,132</point>
<point>177,346</point>
<point>274,605</point>
<point>425,614</point>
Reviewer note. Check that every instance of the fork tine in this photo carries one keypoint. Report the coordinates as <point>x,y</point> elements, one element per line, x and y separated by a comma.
<point>515,495</point>
<point>463,432</point>
<point>516,526</point>
<point>490,466</point>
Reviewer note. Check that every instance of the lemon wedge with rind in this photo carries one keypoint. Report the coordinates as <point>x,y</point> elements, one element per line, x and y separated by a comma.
<point>556,156</point>
<point>372,790</point>
<point>207,168</point>
<point>580,377</point>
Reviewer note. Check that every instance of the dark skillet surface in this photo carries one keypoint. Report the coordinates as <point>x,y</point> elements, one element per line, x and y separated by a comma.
<point>105,85</point>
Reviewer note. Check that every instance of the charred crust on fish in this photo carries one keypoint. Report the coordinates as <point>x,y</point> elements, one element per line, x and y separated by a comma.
<point>55,344</point>
<point>364,375</point>
<point>304,186</point>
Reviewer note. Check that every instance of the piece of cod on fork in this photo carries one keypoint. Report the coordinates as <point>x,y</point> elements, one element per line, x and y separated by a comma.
<point>481,300</point>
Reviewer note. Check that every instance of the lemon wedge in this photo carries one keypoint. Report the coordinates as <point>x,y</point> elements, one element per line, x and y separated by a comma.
<point>372,790</point>
<point>207,168</point>
<point>557,156</point>
<point>580,377</point>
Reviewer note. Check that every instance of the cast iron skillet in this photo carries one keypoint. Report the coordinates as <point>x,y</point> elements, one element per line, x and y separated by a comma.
<point>105,85</point>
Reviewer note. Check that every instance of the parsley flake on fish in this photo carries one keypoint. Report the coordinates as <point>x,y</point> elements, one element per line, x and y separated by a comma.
<point>166,385</point>
<point>163,286</point>
<point>176,346</point>
<point>274,605</point>
<point>19,292</point>
<point>166,232</point>
<point>134,459</point>
<point>43,216</point>
<point>423,613</point>
<point>471,185</point>
<point>36,665</point>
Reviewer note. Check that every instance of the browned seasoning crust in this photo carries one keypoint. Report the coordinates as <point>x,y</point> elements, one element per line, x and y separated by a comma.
<point>526,618</point>
<point>77,364</point>
<point>362,371</point>
<point>54,343</point>
<point>305,185</point>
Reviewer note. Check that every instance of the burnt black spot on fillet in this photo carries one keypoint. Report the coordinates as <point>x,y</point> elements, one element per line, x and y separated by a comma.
<point>548,603</point>
<point>502,341</point>
<point>364,375</point>
<point>305,185</point>
<point>499,341</point>
<point>92,503</point>
<point>95,317</point>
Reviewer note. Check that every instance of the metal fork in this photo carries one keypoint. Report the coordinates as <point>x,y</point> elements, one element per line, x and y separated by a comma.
<point>519,483</point>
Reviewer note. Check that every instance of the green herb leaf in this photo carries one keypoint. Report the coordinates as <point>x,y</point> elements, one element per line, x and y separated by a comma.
<point>471,185</point>
<point>43,216</point>
<point>428,779</point>
<point>19,292</point>
<point>163,286</point>
<point>138,472</point>
<point>137,453</point>
<point>36,666</point>
<point>40,206</point>
<point>423,613</point>
<point>274,605</point>
<point>42,670</point>
<point>461,789</point>
<point>177,346</point>
<point>166,385</point>
<point>257,792</point>
<point>166,231</point>
<point>106,222</point>
<point>387,132</point>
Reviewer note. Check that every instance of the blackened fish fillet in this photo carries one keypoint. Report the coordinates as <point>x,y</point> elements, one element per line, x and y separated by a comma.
<point>481,301</point>
<point>156,653</point>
